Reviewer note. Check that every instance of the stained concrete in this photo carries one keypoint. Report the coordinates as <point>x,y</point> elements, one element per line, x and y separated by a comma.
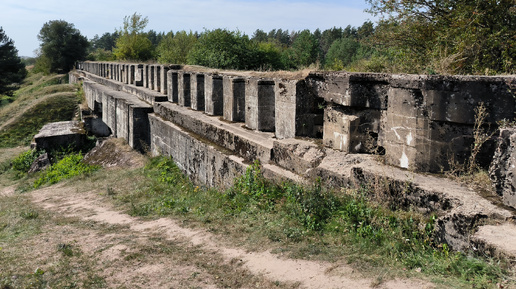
<point>418,121</point>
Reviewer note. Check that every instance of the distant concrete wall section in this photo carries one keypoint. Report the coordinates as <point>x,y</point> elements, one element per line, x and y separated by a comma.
<point>419,122</point>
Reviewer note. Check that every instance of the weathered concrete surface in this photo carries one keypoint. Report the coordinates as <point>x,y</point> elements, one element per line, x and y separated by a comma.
<point>503,167</point>
<point>297,156</point>
<point>197,91</point>
<point>214,94</point>
<point>406,116</point>
<point>231,136</point>
<point>234,98</point>
<point>62,134</point>
<point>297,112</point>
<point>351,130</point>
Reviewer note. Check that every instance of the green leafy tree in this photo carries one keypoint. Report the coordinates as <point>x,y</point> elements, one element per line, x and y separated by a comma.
<point>133,43</point>
<point>61,46</point>
<point>221,48</point>
<point>449,36</point>
<point>175,48</point>
<point>341,53</point>
<point>303,52</point>
<point>12,69</point>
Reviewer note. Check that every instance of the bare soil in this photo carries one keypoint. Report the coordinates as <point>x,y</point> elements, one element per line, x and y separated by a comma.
<point>130,252</point>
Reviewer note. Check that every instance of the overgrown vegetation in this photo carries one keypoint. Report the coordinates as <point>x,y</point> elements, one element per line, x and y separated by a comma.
<point>310,222</point>
<point>69,166</point>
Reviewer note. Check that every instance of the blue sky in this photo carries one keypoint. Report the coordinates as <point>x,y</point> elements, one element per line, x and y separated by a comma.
<point>22,19</point>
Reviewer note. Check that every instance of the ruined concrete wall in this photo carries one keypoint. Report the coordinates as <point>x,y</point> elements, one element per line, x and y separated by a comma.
<point>418,122</point>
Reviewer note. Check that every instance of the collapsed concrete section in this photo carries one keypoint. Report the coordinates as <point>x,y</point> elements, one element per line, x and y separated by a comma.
<point>64,134</point>
<point>333,126</point>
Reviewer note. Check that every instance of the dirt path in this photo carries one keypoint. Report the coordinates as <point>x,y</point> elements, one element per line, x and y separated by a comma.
<point>135,253</point>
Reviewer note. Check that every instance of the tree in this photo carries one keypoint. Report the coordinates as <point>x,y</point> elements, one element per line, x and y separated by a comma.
<point>303,52</point>
<point>221,48</point>
<point>450,36</point>
<point>62,45</point>
<point>133,44</point>
<point>106,42</point>
<point>341,53</point>
<point>12,69</point>
<point>175,48</point>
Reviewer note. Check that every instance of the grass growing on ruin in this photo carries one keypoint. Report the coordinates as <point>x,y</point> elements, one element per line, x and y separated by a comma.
<point>312,223</point>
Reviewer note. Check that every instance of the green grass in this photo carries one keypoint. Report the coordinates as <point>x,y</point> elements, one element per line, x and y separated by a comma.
<point>68,167</point>
<point>312,223</point>
<point>55,108</point>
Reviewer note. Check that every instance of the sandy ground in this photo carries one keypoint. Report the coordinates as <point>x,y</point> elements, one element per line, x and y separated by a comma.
<point>114,242</point>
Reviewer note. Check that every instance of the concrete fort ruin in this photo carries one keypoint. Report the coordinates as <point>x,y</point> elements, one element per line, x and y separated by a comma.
<point>330,125</point>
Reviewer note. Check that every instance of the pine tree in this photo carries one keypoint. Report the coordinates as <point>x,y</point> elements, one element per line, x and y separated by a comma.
<point>12,69</point>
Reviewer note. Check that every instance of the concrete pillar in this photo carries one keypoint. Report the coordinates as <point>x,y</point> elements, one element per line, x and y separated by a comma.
<point>259,104</point>
<point>164,79</point>
<point>172,86</point>
<point>184,89</point>
<point>138,75</point>
<point>197,93</point>
<point>234,98</point>
<point>157,78</point>
<point>214,94</point>
<point>132,72</point>
<point>152,75</point>
<point>145,75</point>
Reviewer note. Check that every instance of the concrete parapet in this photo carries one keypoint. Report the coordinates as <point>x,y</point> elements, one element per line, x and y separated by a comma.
<point>231,136</point>
<point>214,94</point>
<point>172,90</point>
<point>234,98</point>
<point>202,161</point>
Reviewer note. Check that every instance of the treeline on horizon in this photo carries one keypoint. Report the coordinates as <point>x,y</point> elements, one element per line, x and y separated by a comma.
<point>412,36</point>
<point>276,49</point>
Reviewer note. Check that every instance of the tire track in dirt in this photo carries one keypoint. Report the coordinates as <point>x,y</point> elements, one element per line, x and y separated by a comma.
<point>308,274</point>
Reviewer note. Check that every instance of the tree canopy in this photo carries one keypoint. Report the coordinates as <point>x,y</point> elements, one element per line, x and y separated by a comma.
<point>133,43</point>
<point>175,48</point>
<point>454,36</point>
<point>61,46</point>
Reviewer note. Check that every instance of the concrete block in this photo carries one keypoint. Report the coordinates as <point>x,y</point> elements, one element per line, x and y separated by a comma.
<point>367,90</point>
<point>197,92</point>
<point>214,94</point>
<point>59,135</point>
<point>184,89</point>
<point>234,98</point>
<point>351,131</point>
<point>152,77</point>
<point>297,156</point>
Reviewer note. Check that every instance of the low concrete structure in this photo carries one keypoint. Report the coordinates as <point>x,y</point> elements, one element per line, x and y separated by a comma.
<point>328,125</point>
<point>64,134</point>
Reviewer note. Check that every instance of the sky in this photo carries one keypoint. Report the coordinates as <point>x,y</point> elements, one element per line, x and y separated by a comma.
<point>22,19</point>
